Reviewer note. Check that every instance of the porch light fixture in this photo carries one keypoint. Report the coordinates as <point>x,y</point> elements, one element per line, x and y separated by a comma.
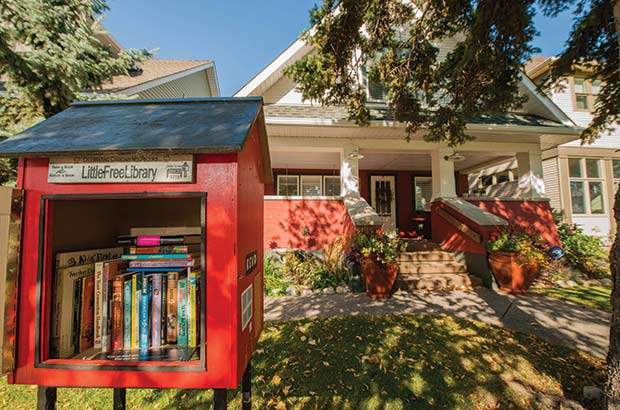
<point>455,157</point>
<point>355,154</point>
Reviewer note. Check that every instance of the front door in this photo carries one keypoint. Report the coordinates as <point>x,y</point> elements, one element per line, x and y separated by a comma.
<point>383,199</point>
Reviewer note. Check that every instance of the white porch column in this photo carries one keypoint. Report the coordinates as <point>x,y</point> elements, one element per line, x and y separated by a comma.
<point>444,184</point>
<point>531,183</point>
<point>349,172</point>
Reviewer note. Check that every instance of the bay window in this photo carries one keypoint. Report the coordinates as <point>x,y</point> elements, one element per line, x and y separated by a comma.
<point>308,185</point>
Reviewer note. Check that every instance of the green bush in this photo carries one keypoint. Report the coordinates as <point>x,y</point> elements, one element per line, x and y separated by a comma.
<point>583,251</point>
<point>276,282</point>
<point>521,243</point>
<point>384,248</point>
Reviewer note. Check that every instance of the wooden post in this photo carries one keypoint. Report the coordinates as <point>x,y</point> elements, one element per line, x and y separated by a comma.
<point>46,398</point>
<point>246,387</point>
<point>120,399</point>
<point>220,399</point>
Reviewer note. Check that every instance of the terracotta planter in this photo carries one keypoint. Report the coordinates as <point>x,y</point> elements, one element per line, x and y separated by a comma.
<point>379,279</point>
<point>513,273</point>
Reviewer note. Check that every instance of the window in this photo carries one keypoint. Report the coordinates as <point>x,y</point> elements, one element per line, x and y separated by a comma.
<point>376,91</point>
<point>502,177</point>
<point>486,180</point>
<point>586,186</point>
<point>423,193</point>
<point>311,185</point>
<point>308,185</point>
<point>288,185</point>
<point>585,92</point>
<point>331,185</point>
<point>616,166</point>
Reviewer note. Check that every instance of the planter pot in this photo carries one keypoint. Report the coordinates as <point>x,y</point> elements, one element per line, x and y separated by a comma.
<point>512,272</point>
<point>379,279</point>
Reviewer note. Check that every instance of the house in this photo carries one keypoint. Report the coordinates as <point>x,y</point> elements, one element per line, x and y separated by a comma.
<point>331,175</point>
<point>159,78</point>
<point>581,180</point>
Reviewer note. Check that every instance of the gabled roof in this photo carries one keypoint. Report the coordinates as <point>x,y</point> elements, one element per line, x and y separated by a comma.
<point>538,103</point>
<point>188,125</point>
<point>155,72</point>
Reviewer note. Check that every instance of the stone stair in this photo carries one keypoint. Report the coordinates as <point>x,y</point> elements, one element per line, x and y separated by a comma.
<point>425,266</point>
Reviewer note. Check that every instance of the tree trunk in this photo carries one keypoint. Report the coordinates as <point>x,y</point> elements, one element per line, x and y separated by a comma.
<point>613,357</point>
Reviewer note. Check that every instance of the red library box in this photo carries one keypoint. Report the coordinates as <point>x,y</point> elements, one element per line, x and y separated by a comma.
<point>140,258</point>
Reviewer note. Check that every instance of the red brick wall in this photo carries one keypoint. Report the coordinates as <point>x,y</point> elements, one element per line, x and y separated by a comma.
<point>304,224</point>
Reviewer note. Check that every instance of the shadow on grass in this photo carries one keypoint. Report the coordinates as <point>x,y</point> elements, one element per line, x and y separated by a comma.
<point>391,361</point>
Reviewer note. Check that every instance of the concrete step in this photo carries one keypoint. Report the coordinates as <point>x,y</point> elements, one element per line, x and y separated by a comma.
<point>437,282</point>
<point>431,256</point>
<point>416,245</point>
<point>431,267</point>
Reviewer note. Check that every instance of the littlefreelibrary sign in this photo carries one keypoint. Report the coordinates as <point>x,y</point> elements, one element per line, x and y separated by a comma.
<point>75,171</point>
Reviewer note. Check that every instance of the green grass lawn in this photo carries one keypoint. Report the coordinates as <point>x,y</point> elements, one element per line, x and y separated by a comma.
<point>592,296</point>
<point>377,362</point>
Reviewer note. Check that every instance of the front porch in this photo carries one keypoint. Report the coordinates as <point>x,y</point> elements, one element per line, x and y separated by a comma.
<point>315,187</point>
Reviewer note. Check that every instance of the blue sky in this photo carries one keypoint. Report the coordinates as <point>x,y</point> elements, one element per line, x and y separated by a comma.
<point>240,36</point>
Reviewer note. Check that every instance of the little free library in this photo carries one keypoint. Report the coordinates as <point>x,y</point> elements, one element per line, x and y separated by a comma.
<point>140,258</point>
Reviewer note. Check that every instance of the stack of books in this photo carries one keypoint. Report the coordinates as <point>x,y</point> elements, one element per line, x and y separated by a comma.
<point>145,300</point>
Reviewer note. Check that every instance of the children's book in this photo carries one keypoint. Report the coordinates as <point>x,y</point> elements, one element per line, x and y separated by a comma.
<point>182,313</point>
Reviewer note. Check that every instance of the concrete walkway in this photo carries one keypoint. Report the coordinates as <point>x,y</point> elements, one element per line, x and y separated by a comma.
<point>554,320</point>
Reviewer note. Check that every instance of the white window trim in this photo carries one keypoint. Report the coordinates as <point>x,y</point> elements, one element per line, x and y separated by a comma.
<point>301,184</point>
<point>586,187</point>
<point>326,177</point>
<point>415,193</point>
<point>286,176</point>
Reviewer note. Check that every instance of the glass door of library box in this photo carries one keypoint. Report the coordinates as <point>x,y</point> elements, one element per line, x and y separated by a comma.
<point>121,281</point>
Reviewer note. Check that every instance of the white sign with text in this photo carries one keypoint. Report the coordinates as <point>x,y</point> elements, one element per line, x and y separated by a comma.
<point>70,171</point>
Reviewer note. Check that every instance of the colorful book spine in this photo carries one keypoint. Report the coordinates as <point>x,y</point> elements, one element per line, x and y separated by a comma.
<point>87,316</point>
<point>164,293</point>
<point>99,293</point>
<point>156,310</point>
<point>127,298</point>
<point>191,309</point>
<point>117,314</point>
<point>76,311</point>
<point>155,256</point>
<point>171,307</point>
<point>182,312</point>
<point>158,263</point>
<point>136,286</point>
<point>145,301</point>
<point>134,250</point>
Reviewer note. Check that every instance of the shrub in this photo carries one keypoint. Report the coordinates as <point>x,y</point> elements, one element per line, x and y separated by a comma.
<point>583,251</point>
<point>301,267</point>
<point>384,248</point>
<point>276,282</point>
<point>522,243</point>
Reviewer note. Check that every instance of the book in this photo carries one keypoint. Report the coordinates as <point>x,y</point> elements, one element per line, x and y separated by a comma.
<point>149,250</point>
<point>191,308</point>
<point>158,263</point>
<point>164,292</point>
<point>156,301</point>
<point>156,270</point>
<point>136,287</point>
<point>62,343</point>
<point>166,231</point>
<point>110,270</point>
<point>85,257</point>
<point>158,240</point>
<point>127,298</point>
<point>76,310</point>
<point>117,331</point>
<point>171,307</point>
<point>182,312</point>
<point>144,324</point>
<point>156,256</point>
<point>87,319</point>
<point>98,307</point>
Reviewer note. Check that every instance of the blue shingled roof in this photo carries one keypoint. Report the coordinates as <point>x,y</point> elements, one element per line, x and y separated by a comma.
<point>188,125</point>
